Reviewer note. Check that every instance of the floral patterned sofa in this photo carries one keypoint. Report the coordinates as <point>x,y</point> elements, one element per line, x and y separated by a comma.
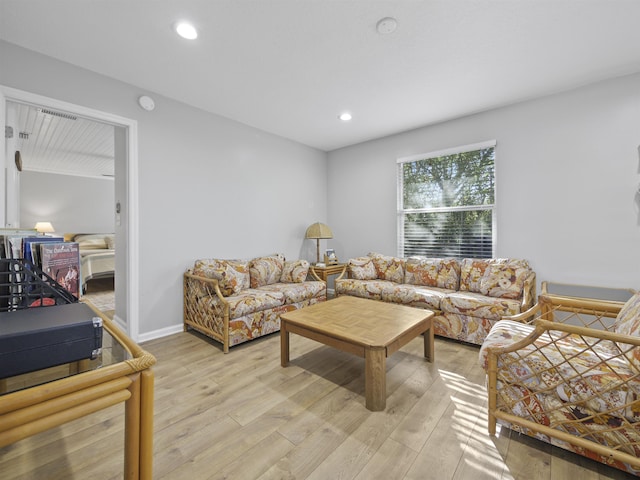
<point>233,301</point>
<point>468,296</point>
<point>570,377</point>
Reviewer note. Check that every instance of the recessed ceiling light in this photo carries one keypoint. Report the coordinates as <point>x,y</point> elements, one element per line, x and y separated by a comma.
<point>345,117</point>
<point>186,30</point>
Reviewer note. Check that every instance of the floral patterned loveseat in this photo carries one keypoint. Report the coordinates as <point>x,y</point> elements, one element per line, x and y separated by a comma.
<point>233,301</point>
<point>570,377</point>
<point>468,296</point>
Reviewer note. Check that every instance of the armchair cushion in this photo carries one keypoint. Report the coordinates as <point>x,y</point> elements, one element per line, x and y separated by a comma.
<point>266,270</point>
<point>232,275</point>
<point>628,323</point>
<point>565,369</point>
<point>628,319</point>
<point>295,272</point>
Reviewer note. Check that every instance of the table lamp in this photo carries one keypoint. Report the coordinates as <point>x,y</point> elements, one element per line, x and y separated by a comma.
<point>44,227</point>
<point>318,230</point>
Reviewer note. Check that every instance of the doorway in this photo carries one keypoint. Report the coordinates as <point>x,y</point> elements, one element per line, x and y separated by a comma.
<point>125,207</point>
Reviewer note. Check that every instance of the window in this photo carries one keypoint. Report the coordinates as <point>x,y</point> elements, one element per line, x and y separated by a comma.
<point>446,203</point>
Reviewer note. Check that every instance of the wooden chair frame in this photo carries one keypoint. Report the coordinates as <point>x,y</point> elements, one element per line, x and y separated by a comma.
<point>591,320</point>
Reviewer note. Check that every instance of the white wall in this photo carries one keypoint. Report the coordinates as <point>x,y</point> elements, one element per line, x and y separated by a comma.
<point>567,169</point>
<point>208,186</point>
<point>70,203</point>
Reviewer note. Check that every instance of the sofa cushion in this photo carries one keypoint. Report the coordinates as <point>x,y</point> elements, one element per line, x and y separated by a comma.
<point>371,289</point>
<point>388,268</point>
<point>465,328</point>
<point>499,277</point>
<point>362,268</point>
<point>253,300</point>
<point>295,272</point>
<point>232,275</point>
<point>414,296</point>
<point>266,270</point>
<point>422,271</point>
<point>505,280</point>
<point>471,273</point>
<point>432,272</point>
<point>478,305</point>
<point>297,292</point>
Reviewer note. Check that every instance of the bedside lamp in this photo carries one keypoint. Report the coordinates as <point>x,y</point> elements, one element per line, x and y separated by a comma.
<point>318,230</point>
<point>44,227</point>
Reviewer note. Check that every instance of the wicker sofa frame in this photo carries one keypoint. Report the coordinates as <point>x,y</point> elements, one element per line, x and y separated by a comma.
<point>207,310</point>
<point>600,415</point>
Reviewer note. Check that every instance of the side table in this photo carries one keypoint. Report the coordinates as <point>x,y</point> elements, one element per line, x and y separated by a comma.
<point>324,272</point>
<point>121,374</point>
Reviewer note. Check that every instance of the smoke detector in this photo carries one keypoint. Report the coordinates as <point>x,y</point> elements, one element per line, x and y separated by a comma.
<point>386,25</point>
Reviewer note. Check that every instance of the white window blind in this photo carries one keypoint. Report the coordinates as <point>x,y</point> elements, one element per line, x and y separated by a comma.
<point>446,203</point>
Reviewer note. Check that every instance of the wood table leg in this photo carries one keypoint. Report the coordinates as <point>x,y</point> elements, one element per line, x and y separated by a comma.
<point>429,344</point>
<point>132,430</point>
<point>284,344</point>
<point>146,425</point>
<point>375,378</point>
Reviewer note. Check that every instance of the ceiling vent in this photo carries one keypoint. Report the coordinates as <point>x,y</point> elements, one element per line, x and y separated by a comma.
<point>68,116</point>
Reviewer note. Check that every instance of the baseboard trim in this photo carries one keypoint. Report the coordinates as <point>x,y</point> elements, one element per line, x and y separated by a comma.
<point>120,323</point>
<point>163,332</point>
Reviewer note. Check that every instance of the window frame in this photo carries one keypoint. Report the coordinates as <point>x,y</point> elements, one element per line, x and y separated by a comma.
<point>401,212</point>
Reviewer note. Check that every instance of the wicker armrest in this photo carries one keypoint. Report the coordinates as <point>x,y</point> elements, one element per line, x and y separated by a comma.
<point>208,285</point>
<point>585,311</point>
<point>315,275</point>
<point>529,291</point>
<point>524,317</point>
<point>342,273</point>
<point>545,325</point>
<point>205,308</point>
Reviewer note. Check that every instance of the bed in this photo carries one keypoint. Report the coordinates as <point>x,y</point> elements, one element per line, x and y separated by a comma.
<point>97,255</point>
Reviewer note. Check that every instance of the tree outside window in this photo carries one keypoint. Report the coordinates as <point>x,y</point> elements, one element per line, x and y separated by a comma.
<point>446,204</point>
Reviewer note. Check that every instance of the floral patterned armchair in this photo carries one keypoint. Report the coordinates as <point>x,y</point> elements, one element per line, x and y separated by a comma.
<point>570,376</point>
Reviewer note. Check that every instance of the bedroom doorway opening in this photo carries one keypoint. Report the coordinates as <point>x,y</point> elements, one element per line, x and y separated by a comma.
<point>119,212</point>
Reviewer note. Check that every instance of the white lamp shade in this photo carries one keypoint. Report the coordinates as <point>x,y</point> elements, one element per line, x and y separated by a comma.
<point>44,227</point>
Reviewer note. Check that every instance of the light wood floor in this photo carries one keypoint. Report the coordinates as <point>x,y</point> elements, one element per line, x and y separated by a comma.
<point>242,416</point>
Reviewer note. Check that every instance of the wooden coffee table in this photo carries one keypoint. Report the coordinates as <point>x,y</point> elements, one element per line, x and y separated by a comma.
<point>367,328</point>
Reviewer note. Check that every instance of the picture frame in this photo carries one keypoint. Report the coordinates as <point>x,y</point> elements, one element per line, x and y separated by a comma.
<point>330,257</point>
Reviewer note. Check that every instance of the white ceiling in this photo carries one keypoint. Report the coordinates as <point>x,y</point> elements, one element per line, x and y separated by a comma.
<point>291,66</point>
<point>57,142</point>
